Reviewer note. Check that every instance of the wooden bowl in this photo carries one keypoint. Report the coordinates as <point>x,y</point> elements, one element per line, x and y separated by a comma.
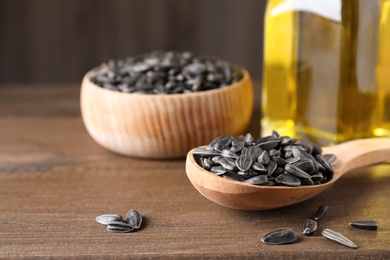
<point>164,126</point>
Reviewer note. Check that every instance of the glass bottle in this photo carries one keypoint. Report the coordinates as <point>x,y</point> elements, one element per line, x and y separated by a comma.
<point>326,73</point>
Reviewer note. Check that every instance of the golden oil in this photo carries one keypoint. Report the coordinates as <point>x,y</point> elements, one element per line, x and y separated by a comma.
<point>326,73</point>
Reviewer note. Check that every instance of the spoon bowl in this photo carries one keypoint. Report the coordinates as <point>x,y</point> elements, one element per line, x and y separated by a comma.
<point>233,194</point>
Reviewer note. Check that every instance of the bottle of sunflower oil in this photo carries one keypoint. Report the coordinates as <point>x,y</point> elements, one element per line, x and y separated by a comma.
<point>326,71</point>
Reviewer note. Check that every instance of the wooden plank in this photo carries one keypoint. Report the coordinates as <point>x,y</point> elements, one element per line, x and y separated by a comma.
<point>55,180</point>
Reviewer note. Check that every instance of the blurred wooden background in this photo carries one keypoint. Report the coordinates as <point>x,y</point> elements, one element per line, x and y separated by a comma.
<point>58,41</point>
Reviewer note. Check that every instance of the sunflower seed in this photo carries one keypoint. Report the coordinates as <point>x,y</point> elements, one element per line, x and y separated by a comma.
<point>365,224</point>
<point>215,159</point>
<point>108,218</point>
<point>317,177</point>
<point>119,227</point>
<point>271,167</point>
<point>288,179</point>
<point>238,143</point>
<point>294,170</point>
<point>293,160</point>
<point>324,163</point>
<point>199,151</point>
<point>306,146</point>
<point>259,167</point>
<point>263,158</point>
<point>218,170</point>
<point>227,163</point>
<point>264,139</point>
<point>280,161</point>
<point>268,145</point>
<point>274,153</point>
<point>330,158</point>
<point>208,163</point>
<point>219,139</point>
<point>307,182</point>
<point>249,139</point>
<point>285,140</point>
<point>257,180</point>
<point>244,162</point>
<point>233,176</point>
<point>338,237</point>
<point>309,227</point>
<point>275,134</point>
<point>299,152</point>
<point>321,212</point>
<point>254,152</point>
<point>223,143</point>
<point>248,174</point>
<point>134,218</point>
<point>279,237</point>
<point>229,153</point>
<point>306,165</point>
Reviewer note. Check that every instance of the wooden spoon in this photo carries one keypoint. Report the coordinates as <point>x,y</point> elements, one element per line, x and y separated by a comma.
<point>238,195</point>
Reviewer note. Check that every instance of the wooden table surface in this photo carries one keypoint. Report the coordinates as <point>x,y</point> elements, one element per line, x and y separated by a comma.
<point>55,180</point>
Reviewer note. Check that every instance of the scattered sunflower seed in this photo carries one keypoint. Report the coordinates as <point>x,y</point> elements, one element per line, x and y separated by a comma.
<point>133,218</point>
<point>365,224</point>
<point>321,212</point>
<point>338,237</point>
<point>279,237</point>
<point>108,218</point>
<point>115,222</point>
<point>119,227</point>
<point>309,227</point>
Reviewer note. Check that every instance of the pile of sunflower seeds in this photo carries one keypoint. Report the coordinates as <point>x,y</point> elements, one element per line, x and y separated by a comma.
<point>166,73</point>
<point>283,236</point>
<point>271,160</point>
<point>115,222</point>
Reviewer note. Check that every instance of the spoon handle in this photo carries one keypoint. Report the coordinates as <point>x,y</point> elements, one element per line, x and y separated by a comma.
<point>359,153</point>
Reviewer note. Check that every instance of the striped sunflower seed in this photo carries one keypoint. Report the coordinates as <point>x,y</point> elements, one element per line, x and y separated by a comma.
<point>365,224</point>
<point>233,176</point>
<point>227,163</point>
<point>119,227</point>
<point>321,212</point>
<point>257,180</point>
<point>263,158</point>
<point>218,170</point>
<point>238,143</point>
<point>288,179</point>
<point>279,237</point>
<point>229,153</point>
<point>108,218</point>
<point>244,162</point>
<point>294,170</point>
<point>338,237</point>
<point>309,227</point>
<point>134,218</point>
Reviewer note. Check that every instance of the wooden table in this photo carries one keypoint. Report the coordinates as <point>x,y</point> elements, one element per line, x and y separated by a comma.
<point>55,180</point>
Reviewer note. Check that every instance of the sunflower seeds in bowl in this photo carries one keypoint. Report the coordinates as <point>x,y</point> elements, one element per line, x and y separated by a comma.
<point>170,72</point>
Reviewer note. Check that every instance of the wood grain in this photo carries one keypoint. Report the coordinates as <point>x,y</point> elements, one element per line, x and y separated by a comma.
<point>55,180</point>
